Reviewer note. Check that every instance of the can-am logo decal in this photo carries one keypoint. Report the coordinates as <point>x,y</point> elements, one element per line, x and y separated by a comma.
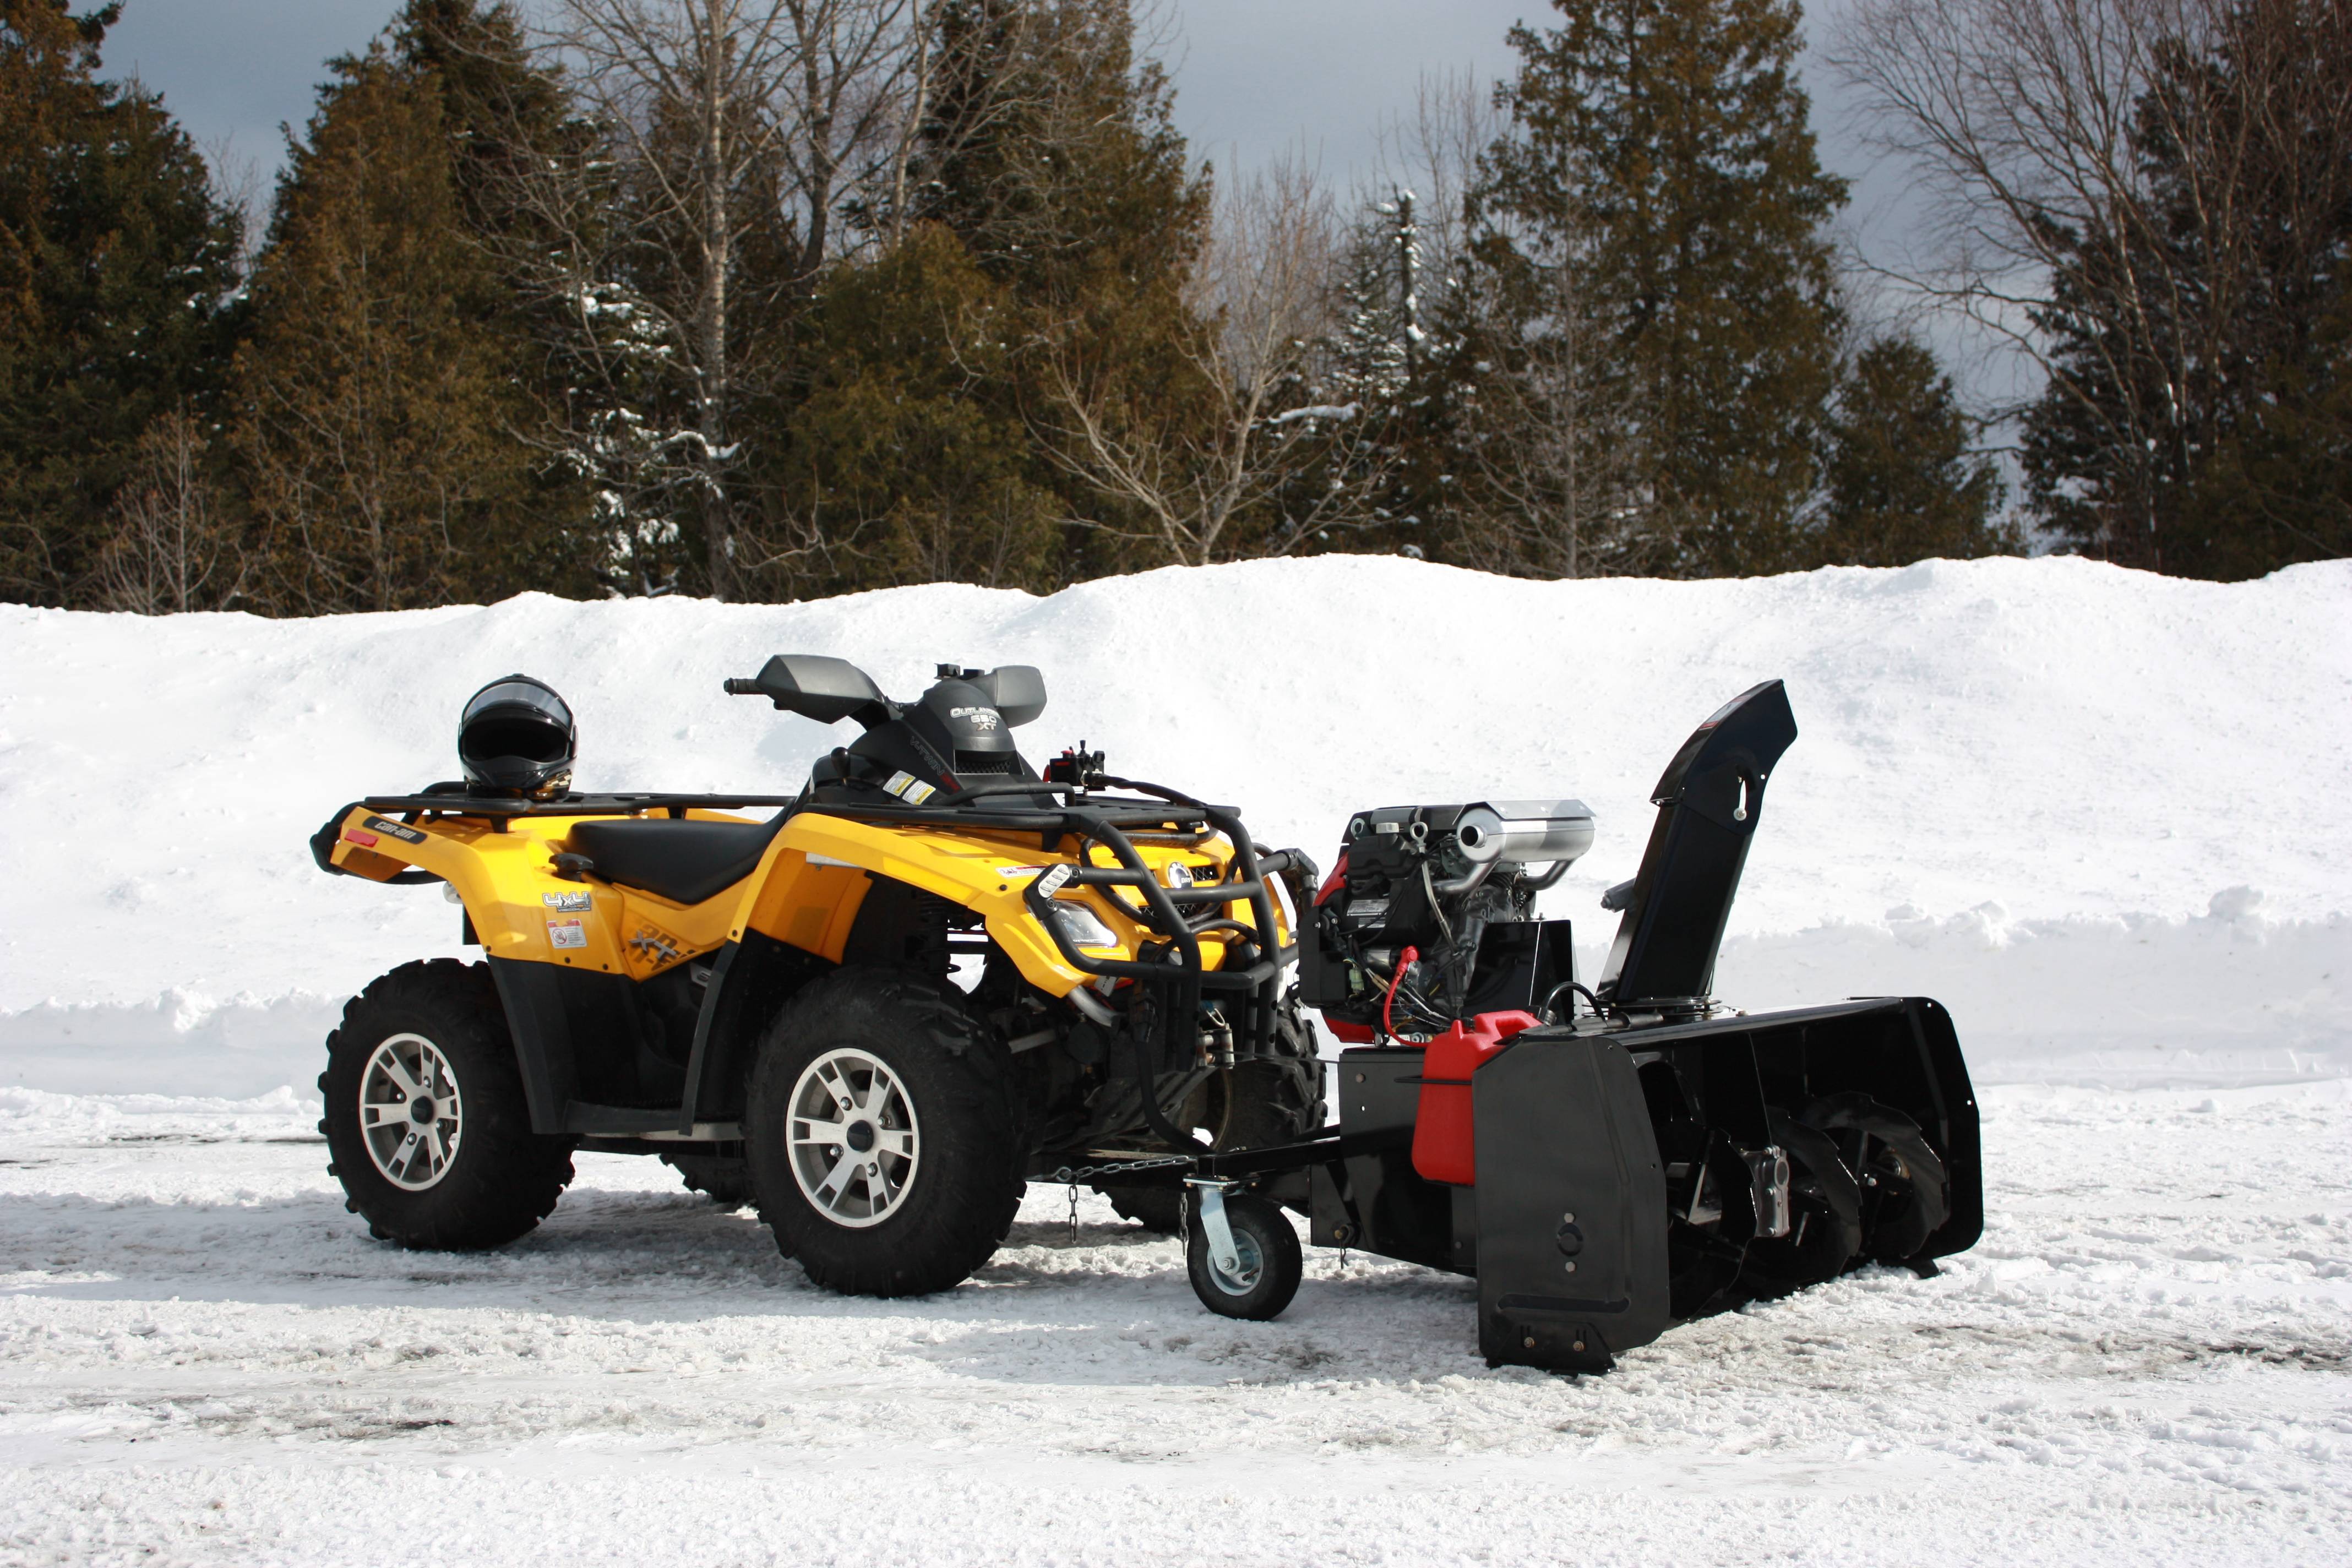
<point>409,835</point>
<point>981,718</point>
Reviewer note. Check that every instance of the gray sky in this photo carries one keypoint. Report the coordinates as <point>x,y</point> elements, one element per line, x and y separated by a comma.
<point>1255,77</point>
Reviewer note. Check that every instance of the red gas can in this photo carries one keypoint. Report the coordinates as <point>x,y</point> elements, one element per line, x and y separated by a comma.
<point>1445,1141</point>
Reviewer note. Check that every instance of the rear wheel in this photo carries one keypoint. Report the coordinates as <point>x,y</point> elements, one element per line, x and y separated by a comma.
<point>425,1119</point>
<point>724,1180</point>
<point>881,1137</point>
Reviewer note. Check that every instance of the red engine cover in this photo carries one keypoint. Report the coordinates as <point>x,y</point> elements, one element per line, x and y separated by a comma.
<point>1444,1140</point>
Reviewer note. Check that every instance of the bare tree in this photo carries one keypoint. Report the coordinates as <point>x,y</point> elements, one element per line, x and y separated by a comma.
<point>1434,151</point>
<point>1546,489</point>
<point>726,139</point>
<point>2131,282</point>
<point>1216,475</point>
<point>169,552</point>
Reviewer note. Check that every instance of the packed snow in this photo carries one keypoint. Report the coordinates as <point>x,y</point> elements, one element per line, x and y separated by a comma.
<point>2095,812</point>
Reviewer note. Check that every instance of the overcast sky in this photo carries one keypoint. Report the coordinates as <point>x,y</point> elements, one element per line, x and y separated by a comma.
<point>1254,77</point>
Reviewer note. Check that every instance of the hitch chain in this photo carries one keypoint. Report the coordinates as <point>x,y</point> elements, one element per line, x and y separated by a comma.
<point>1068,1173</point>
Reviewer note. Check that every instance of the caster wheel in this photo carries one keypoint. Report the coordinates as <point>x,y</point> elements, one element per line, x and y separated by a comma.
<point>1263,1272</point>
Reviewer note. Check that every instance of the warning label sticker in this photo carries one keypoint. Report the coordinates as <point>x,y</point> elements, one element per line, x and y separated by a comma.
<point>567,933</point>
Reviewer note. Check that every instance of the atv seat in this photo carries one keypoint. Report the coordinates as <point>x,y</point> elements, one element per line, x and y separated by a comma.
<point>683,861</point>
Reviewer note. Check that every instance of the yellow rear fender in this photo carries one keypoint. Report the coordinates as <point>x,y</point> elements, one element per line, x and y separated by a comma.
<point>520,904</point>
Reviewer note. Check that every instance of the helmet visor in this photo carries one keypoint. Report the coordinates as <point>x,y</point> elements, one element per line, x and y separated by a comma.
<point>527,695</point>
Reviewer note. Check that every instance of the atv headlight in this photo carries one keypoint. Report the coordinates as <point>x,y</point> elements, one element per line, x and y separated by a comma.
<point>1081,926</point>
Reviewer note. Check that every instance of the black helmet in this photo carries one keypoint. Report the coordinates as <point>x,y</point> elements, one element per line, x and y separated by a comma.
<point>517,737</point>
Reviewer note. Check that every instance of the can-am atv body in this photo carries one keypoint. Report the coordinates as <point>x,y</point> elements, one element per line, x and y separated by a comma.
<point>773,1007</point>
<point>768,1004</point>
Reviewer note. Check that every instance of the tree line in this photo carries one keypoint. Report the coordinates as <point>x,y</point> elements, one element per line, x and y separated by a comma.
<point>773,299</point>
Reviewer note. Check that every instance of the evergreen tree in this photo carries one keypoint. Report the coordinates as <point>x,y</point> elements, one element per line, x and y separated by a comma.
<point>1051,153</point>
<point>1900,482</point>
<point>2196,416</point>
<point>1664,145</point>
<point>116,261</point>
<point>377,399</point>
<point>908,460</point>
<point>1375,377</point>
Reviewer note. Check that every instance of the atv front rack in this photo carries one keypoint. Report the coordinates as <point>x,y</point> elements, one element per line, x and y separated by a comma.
<point>1172,968</point>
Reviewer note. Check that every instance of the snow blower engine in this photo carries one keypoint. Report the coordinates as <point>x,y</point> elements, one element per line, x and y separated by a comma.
<point>1428,917</point>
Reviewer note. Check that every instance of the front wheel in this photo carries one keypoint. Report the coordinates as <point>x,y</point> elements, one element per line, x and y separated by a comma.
<point>1258,1281</point>
<point>426,1120</point>
<point>880,1131</point>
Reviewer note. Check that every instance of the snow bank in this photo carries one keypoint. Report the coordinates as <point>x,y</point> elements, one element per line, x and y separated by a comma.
<point>2093,810</point>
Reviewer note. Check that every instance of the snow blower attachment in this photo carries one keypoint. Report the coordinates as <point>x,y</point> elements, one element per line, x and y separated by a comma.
<point>1607,1171</point>
<point>936,973</point>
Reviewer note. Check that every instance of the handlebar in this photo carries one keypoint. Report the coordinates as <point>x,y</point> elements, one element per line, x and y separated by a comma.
<point>737,685</point>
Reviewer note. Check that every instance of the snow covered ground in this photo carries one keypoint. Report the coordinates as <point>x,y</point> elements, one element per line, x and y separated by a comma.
<point>2098,814</point>
<point>203,1359</point>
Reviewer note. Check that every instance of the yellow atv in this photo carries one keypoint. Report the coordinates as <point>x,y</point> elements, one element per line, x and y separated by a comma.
<point>930,975</point>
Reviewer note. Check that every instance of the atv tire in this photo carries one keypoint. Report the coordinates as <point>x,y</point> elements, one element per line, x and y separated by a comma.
<point>1256,1104</point>
<point>883,1140</point>
<point>725,1181</point>
<point>426,1121</point>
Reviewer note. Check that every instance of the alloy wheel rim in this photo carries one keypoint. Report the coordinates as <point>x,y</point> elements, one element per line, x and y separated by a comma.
<point>854,1138</point>
<point>411,1113</point>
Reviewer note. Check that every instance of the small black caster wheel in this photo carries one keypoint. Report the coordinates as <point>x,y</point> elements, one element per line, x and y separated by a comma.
<point>1262,1277</point>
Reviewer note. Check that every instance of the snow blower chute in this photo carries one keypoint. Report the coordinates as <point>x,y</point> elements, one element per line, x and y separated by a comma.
<point>935,973</point>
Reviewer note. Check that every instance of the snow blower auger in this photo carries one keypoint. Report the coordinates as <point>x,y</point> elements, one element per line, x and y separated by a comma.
<point>774,1007</point>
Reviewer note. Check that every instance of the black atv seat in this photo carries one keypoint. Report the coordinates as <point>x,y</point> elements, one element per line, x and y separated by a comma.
<point>685,862</point>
